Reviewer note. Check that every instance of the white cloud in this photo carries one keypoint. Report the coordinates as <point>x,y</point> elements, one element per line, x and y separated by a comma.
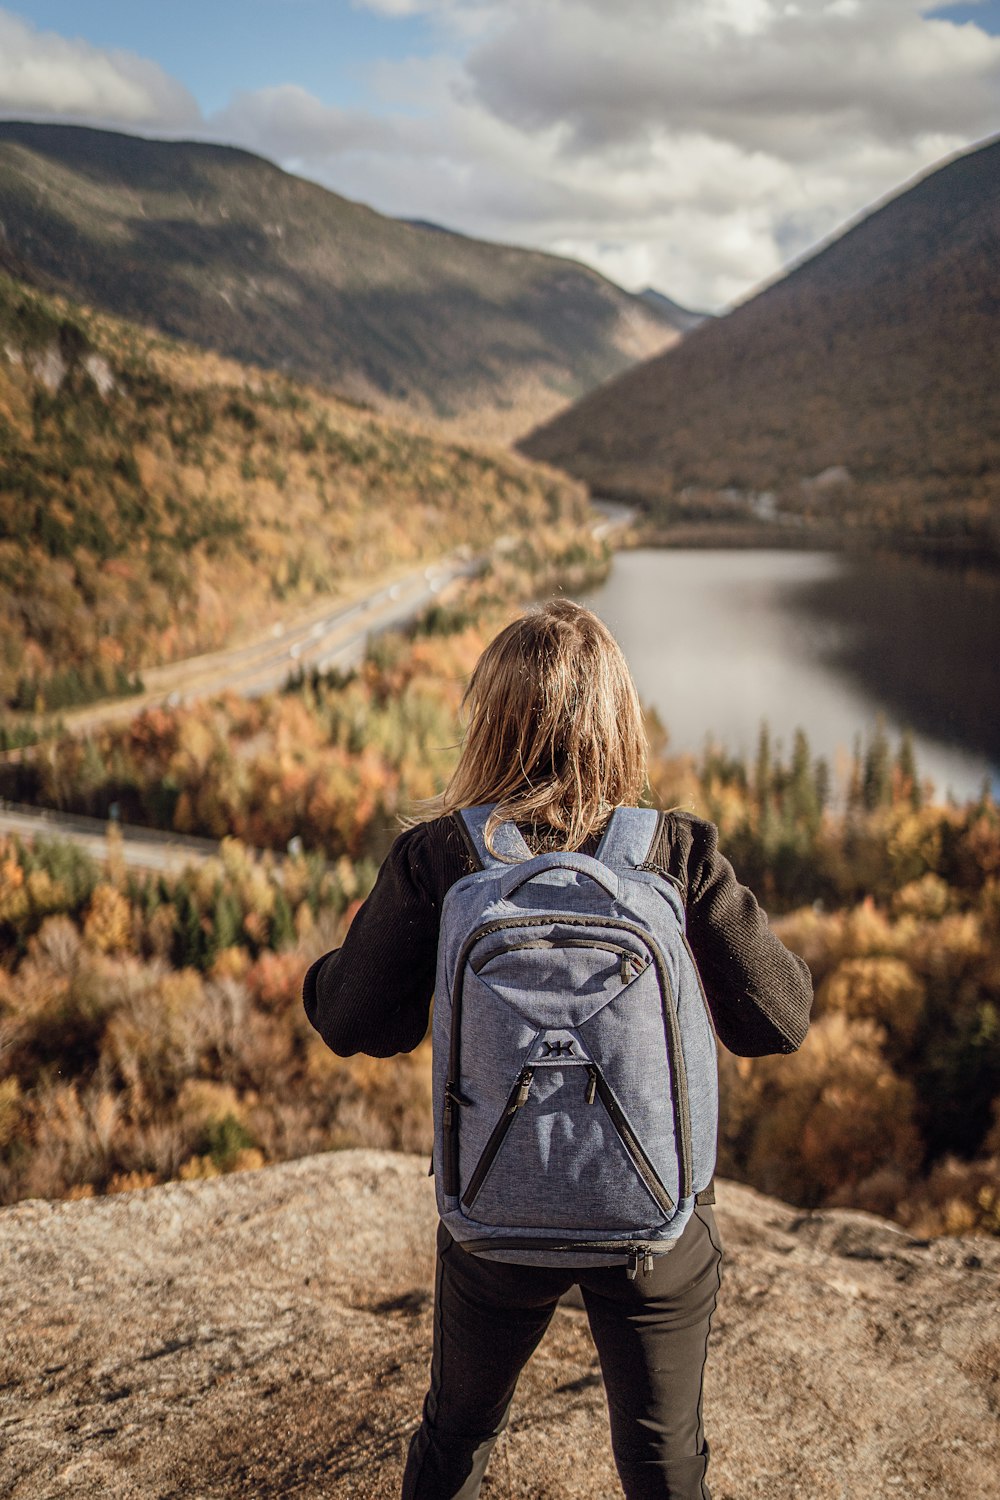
<point>393,7</point>
<point>287,122</point>
<point>756,72</point>
<point>42,73</point>
<point>464,18</point>
<point>697,145</point>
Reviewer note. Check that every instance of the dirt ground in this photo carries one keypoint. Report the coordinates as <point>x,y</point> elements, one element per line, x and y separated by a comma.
<point>268,1334</point>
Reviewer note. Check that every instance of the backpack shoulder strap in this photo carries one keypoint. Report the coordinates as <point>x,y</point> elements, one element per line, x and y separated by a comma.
<point>629,838</point>
<point>508,840</point>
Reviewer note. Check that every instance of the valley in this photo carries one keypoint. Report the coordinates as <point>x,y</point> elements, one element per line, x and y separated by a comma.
<point>238,612</point>
<point>333,339</point>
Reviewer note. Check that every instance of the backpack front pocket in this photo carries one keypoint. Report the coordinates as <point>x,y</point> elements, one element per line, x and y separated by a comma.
<point>554,993</point>
<point>517,1100</point>
<point>563,1154</point>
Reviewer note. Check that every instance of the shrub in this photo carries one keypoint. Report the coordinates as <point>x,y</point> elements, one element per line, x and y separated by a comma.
<point>812,1126</point>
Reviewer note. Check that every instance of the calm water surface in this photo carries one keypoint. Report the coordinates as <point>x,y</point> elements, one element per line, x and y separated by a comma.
<point>720,640</point>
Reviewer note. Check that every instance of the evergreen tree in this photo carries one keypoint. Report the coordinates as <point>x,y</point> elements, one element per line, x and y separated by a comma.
<point>906,768</point>
<point>282,922</point>
<point>190,945</point>
<point>876,786</point>
<point>803,804</point>
<point>227,920</point>
<point>762,765</point>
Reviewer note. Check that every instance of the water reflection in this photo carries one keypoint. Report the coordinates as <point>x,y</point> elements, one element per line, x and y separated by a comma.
<point>719,640</point>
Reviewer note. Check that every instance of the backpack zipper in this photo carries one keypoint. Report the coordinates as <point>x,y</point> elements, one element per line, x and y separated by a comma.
<point>451,1098</point>
<point>636,1255</point>
<point>516,1100</point>
<point>631,963</point>
<point>629,1140</point>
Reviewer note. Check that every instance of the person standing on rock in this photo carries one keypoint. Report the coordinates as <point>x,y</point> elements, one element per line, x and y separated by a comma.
<point>554,744</point>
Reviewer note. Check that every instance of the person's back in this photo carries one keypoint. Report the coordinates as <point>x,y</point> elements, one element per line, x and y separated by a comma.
<point>554,744</point>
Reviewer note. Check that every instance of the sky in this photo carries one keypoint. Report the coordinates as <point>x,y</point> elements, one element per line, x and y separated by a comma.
<point>697,146</point>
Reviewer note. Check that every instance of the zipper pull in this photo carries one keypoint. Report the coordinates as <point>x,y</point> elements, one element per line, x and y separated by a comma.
<point>591,1093</point>
<point>632,1269</point>
<point>632,965</point>
<point>524,1084</point>
<point>451,1098</point>
<point>647,1262</point>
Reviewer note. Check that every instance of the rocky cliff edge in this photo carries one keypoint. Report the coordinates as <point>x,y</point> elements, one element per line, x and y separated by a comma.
<point>268,1334</point>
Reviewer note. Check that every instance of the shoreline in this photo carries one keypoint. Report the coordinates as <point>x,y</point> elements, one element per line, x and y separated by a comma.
<point>748,536</point>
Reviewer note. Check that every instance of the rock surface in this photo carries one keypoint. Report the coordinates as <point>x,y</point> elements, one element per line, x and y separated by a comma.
<point>268,1334</point>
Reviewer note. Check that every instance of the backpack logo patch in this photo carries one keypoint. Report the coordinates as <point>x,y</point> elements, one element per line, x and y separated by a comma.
<point>562,1046</point>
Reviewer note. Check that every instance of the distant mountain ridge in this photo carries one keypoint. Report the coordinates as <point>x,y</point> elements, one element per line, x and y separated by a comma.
<point>684,318</point>
<point>220,247</point>
<point>863,387</point>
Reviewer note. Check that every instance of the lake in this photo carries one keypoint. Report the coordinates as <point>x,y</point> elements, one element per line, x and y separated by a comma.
<point>720,640</point>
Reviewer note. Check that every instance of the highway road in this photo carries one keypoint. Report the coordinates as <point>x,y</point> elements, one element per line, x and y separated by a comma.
<point>334,634</point>
<point>616,517</point>
<point>331,634</point>
<point>141,848</point>
<point>337,637</point>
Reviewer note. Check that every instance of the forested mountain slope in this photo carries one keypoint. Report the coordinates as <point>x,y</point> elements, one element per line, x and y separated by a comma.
<point>861,388</point>
<point>223,248</point>
<point>156,501</point>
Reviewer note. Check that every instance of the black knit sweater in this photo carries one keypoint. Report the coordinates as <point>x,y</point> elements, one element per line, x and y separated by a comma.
<point>373,995</point>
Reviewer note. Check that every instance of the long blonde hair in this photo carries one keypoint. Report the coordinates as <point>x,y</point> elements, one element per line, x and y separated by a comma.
<point>555,733</point>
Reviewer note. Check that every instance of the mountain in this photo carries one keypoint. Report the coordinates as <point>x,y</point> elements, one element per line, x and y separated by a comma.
<point>219,247</point>
<point>156,501</point>
<point>681,317</point>
<point>862,387</point>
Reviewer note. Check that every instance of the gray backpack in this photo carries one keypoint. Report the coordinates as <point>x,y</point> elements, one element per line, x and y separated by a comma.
<point>575,1075</point>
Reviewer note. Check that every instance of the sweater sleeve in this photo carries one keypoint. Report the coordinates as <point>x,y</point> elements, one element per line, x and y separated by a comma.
<point>373,994</point>
<point>759,993</point>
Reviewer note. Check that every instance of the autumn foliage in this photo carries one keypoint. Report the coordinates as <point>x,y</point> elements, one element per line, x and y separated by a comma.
<point>157,501</point>
<point>152,1028</point>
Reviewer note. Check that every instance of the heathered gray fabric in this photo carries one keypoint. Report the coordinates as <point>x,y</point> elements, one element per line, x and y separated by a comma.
<point>508,841</point>
<point>584,992</point>
<point>628,842</point>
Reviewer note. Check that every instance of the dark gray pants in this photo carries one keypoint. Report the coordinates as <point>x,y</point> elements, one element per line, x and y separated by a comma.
<point>651,1336</point>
